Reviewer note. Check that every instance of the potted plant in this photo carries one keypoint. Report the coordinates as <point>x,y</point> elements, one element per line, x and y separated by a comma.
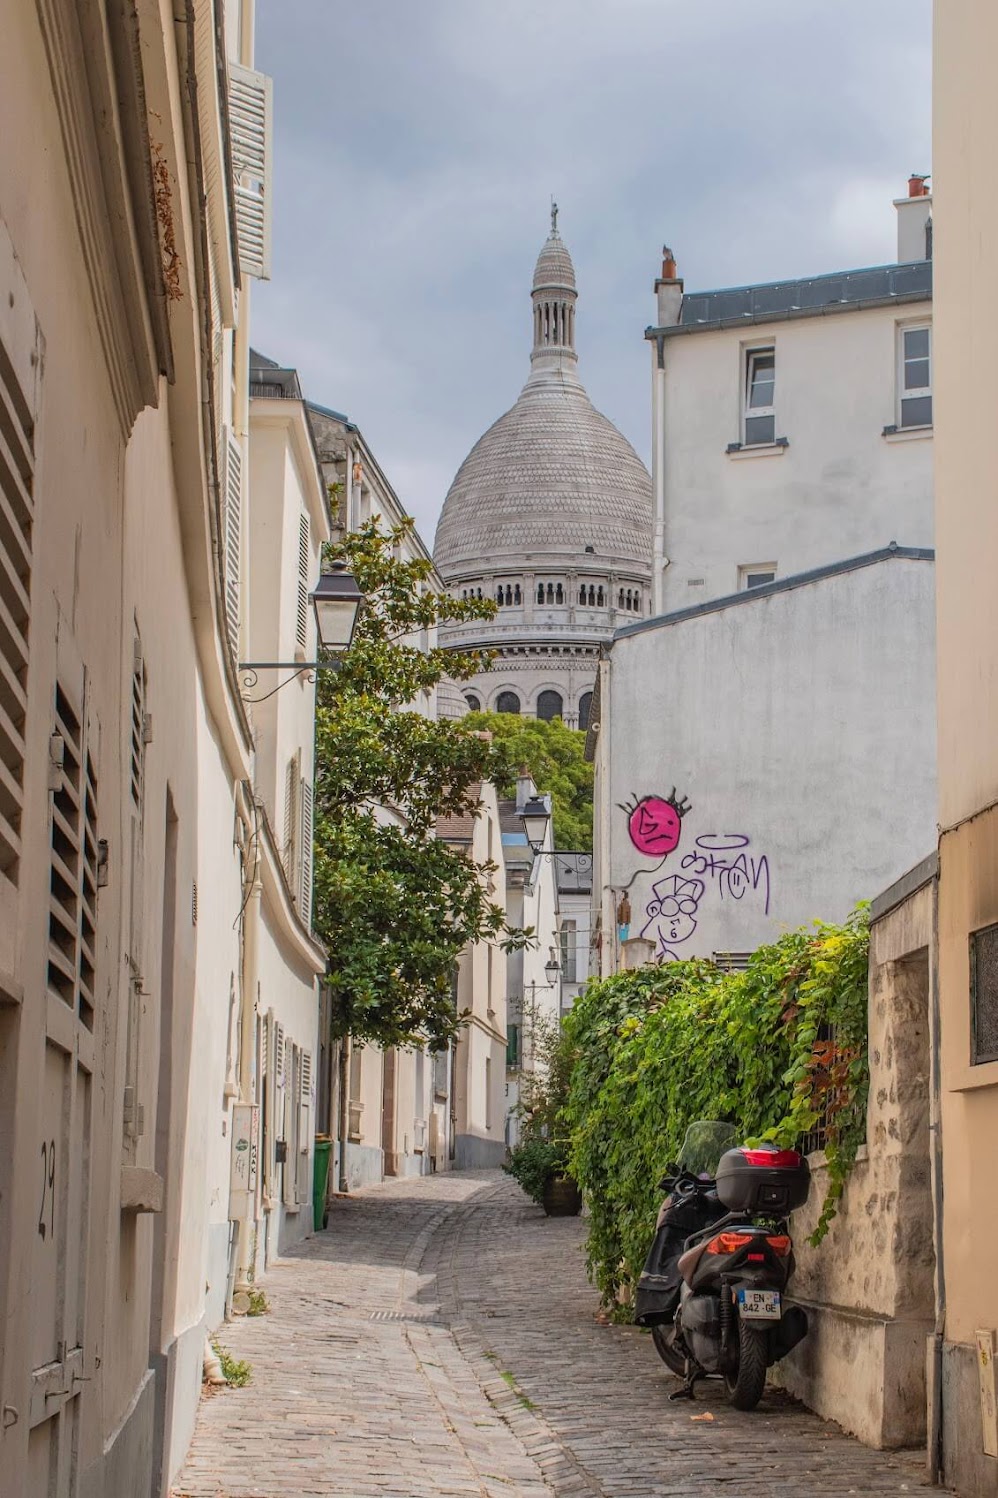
<point>540,1166</point>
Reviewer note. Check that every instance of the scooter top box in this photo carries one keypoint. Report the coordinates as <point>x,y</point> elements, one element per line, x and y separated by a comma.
<point>767,1181</point>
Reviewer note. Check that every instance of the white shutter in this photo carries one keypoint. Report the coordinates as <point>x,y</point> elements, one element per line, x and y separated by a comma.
<point>251,120</point>
<point>292,1115</point>
<point>305,854</point>
<point>233,460</point>
<point>304,1124</point>
<point>301,619</point>
<point>292,822</point>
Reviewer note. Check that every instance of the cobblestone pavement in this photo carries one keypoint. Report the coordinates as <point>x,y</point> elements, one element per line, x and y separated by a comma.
<point>439,1339</point>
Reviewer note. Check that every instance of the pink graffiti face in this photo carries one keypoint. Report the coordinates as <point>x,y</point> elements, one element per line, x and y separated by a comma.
<point>654,826</point>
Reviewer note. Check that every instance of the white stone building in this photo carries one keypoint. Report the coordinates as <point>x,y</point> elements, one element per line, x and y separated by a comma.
<point>550,515</point>
<point>574,879</point>
<point>791,422</point>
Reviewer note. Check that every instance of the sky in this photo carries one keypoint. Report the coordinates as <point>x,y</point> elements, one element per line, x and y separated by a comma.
<point>418,144</point>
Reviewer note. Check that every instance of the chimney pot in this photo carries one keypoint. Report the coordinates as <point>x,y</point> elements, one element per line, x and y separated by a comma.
<point>916,185</point>
<point>668,264</point>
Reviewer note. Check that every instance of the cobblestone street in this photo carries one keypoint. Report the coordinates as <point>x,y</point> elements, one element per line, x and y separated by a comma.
<point>439,1339</point>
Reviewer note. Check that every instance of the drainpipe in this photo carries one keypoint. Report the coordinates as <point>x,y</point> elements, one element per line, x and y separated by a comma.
<point>247,1027</point>
<point>344,1111</point>
<point>934,1451</point>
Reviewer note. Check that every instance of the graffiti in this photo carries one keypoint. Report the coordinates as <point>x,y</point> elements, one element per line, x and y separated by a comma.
<point>722,857</point>
<point>655,822</point>
<point>672,913</point>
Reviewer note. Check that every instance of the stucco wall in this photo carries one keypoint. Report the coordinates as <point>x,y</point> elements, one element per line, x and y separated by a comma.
<point>839,489</point>
<point>800,729</point>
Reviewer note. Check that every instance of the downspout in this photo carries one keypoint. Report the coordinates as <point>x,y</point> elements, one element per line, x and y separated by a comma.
<point>659,559</point>
<point>934,1446</point>
<point>247,1026</point>
<point>344,1112</point>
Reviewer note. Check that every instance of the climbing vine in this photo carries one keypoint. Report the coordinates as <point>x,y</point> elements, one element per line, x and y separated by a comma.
<point>774,1050</point>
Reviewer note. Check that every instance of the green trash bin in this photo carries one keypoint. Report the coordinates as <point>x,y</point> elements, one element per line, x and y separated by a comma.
<point>323,1149</point>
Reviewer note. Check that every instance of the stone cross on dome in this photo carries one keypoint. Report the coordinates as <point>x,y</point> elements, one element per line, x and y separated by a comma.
<point>554,216</point>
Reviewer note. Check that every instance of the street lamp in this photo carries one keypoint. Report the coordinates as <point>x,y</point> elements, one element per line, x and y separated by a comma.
<point>337,602</point>
<point>535,819</point>
<point>552,969</point>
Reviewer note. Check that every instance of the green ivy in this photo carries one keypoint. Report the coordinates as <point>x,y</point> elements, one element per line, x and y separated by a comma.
<point>770,1050</point>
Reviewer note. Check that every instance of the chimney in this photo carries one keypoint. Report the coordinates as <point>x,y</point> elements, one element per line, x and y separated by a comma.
<point>669,291</point>
<point>915,221</point>
<point>525,787</point>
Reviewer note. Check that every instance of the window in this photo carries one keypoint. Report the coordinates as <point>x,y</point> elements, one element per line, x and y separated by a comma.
<point>540,592</point>
<point>507,702</point>
<point>620,599</point>
<point>488,1092</point>
<point>517,596</point>
<point>549,705</point>
<point>760,383</point>
<point>756,576</point>
<point>582,595</point>
<point>599,597</point>
<point>559,594</point>
<point>915,377</point>
<point>568,937</point>
<point>512,1045</point>
<point>984,995</point>
<point>585,707</point>
<point>474,702</point>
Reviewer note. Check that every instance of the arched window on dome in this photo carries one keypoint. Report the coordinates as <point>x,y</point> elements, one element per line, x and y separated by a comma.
<point>479,592</point>
<point>499,595</point>
<point>550,592</point>
<point>630,595</point>
<point>559,594</point>
<point>540,592</point>
<point>474,702</point>
<point>507,702</point>
<point>599,598</point>
<point>620,599</point>
<point>585,708</point>
<point>592,594</point>
<point>517,596</point>
<point>582,595</point>
<point>550,705</point>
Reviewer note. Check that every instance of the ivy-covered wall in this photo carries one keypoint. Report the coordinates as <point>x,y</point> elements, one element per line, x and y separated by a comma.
<point>656,1048</point>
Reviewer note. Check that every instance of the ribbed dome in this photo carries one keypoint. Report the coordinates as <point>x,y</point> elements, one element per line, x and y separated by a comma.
<point>451,701</point>
<point>550,478</point>
<point>554,266</point>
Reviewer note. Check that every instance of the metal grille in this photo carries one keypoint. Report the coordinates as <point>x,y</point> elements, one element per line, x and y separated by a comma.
<point>74,857</point>
<point>984,995</point>
<point>732,962</point>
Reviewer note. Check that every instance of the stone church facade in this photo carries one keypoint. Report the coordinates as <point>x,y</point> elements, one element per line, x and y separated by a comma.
<point>550,515</point>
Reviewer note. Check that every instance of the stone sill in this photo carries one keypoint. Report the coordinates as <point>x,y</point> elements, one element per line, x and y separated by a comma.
<point>738,450</point>
<point>906,434</point>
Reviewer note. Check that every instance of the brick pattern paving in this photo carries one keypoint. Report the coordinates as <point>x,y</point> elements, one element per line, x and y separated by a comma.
<point>439,1340</point>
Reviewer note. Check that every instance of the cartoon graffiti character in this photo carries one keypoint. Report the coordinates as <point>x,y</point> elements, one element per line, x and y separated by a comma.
<point>654,823</point>
<point>672,914</point>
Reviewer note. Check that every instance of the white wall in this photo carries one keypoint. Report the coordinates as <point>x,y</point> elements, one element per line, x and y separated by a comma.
<point>839,489</point>
<point>800,728</point>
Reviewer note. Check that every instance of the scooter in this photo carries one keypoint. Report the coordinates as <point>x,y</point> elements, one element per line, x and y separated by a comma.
<point>713,1287</point>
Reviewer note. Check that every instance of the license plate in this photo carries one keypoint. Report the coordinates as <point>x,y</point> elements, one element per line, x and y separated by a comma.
<point>759,1305</point>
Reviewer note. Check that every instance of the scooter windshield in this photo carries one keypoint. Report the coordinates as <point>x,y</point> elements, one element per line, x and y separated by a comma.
<point>705,1143</point>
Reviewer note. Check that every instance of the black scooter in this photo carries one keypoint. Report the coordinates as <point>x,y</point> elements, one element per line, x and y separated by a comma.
<point>712,1290</point>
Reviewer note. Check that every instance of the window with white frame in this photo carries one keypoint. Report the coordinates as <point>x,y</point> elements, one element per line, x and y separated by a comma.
<point>759,425</point>
<point>915,376</point>
<point>757,575</point>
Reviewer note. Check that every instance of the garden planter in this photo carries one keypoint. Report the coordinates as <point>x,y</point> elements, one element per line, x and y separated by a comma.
<point>562,1197</point>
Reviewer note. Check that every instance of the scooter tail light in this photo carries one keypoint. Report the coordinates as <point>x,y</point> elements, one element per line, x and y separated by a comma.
<point>728,1243</point>
<point>778,1159</point>
<point>780,1244</point>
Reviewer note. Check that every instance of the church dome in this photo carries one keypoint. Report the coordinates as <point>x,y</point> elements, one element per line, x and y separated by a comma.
<point>552,482</point>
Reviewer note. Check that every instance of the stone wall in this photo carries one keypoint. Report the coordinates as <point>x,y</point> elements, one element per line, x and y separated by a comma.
<point>868,1287</point>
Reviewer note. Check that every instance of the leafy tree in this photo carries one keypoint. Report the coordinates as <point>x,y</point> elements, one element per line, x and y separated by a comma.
<point>394,905</point>
<point>555,757</point>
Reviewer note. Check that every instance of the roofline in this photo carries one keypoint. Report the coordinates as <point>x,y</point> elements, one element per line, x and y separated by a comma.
<point>791,314</point>
<point>328,411</point>
<point>781,585</point>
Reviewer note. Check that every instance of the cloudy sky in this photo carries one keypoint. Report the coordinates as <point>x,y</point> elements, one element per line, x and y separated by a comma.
<point>418,143</point>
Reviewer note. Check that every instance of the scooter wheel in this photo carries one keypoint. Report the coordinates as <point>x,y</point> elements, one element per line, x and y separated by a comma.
<point>746,1384</point>
<point>673,1357</point>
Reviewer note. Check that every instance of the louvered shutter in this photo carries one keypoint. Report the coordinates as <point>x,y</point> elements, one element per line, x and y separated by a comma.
<point>305,854</point>
<point>250,116</point>
<point>304,1123</point>
<point>233,459</point>
<point>292,823</point>
<point>301,619</point>
<point>292,1114</point>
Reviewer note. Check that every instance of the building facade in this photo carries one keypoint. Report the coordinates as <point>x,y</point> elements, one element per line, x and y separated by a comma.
<point>550,516</point>
<point>964,1439</point>
<point>791,422</point>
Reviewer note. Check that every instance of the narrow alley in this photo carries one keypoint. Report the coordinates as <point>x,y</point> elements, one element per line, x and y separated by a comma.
<point>439,1339</point>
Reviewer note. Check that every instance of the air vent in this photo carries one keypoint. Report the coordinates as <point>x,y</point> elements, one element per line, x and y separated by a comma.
<point>75,855</point>
<point>17,460</point>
